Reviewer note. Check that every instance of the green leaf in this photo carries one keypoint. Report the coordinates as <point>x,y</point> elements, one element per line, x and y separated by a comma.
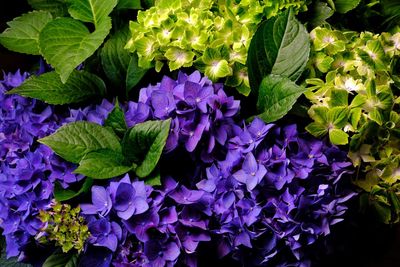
<point>143,145</point>
<point>154,178</point>
<point>382,210</point>
<point>319,114</point>
<point>280,46</point>
<point>22,36</point>
<point>376,116</point>
<point>134,73</point>
<point>94,11</point>
<point>62,194</point>
<point>395,202</point>
<point>116,120</point>
<point>48,87</point>
<point>57,8</point>
<point>103,164</point>
<point>355,116</point>
<point>338,116</point>
<point>61,260</point>
<point>339,97</point>
<point>316,129</point>
<point>338,137</point>
<point>120,66</point>
<point>74,140</point>
<point>344,6</point>
<point>147,3</point>
<point>114,58</point>
<point>321,12</point>
<point>276,97</point>
<point>65,43</point>
<point>129,4</point>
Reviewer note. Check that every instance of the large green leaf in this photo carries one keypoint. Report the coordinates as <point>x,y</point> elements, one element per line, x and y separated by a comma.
<point>280,46</point>
<point>48,87</point>
<point>391,11</point>
<point>120,66</point>
<point>276,97</point>
<point>56,7</point>
<point>344,6</point>
<point>129,4</point>
<point>23,33</point>
<point>65,43</point>
<point>143,145</point>
<point>94,11</point>
<point>320,13</point>
<point>61,260</point>
<point>114,58</point>
<point>61,194</point>
<point>134,73</point>
<point>103,164</point>
<point>116,120</point>
<point>74,140</point>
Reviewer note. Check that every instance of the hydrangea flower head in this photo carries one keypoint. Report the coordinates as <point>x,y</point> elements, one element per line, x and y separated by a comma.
<point>288,189</point>
<point>355,101</point>
<point>201,112</point>
<point>213,36</point>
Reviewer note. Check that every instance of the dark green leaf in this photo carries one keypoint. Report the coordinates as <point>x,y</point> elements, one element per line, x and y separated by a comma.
<point>22,36</point>
<point>129,4</point>
<point>143,145</point>
<point>280,46</point>
<point>74,140</point>
<point>61,194</point>
<point>321,12</point>
<point>134,73</point>
<point>382,211</point>
<point>147,3</point>
<point>116,120</point>
<point>103,164</point>
<point>48,87</point>
<point>276,97</point>
<point>115,59</point>
<point>344,6</point>
<point>57,8</point>
<point>61,260</point>
<point>154,178</point>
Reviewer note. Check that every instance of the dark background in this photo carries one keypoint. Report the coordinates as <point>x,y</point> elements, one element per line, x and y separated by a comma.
<point>357,242</point>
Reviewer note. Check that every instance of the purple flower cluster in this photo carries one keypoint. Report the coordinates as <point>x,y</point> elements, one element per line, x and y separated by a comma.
<point>29,170</point>
<point>276,190</point>
<point>201,112</point>
<point>152,227</point>
<point>24,186</point>
<point>269,190</point>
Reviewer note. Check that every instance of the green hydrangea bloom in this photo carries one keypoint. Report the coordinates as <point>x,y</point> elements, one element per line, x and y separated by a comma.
<point>214,36</point>
<point>64,226</point>
<point>355,101</point>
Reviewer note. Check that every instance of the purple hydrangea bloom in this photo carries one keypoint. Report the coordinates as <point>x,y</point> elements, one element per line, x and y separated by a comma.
<point>255,187</point>
<point>201,112</point>
<point>281,186</point>
<point>124,197</point>
<point>28,170</point>
<point>104,233</point>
